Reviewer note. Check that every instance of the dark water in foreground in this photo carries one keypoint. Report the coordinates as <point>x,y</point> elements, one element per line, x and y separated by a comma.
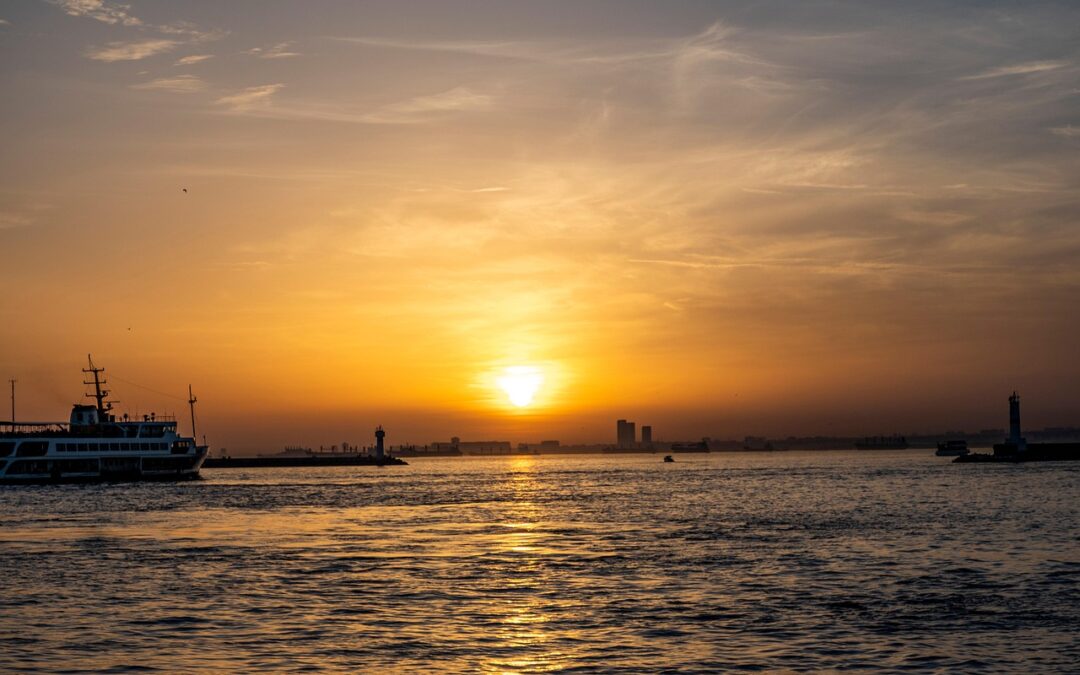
<point>863,560</point>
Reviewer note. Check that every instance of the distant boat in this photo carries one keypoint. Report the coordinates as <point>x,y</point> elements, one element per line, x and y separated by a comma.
<point>952,449</point>
<point>669,458</point>
<point>882,443</point>
<point>94,445</point>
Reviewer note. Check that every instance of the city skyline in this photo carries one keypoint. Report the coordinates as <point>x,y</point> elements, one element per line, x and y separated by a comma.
<point>507,221</point>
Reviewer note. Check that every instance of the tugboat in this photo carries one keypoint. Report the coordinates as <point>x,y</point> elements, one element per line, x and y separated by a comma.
<point>669,458</point>
<point>96,446</point>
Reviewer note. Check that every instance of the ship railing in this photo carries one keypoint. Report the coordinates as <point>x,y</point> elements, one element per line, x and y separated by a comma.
<point>23,428</point>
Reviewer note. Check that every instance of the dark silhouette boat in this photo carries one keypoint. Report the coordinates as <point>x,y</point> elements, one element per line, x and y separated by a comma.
<point>669,458</point>
<point>882,443</point>
<point>952,448</point>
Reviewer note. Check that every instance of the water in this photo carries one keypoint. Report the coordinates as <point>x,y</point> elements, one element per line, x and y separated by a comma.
<point>863,560</point>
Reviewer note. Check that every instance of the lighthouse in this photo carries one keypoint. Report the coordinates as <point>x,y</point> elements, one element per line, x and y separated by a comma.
<point>1014,423</point>
<point>379,436</point>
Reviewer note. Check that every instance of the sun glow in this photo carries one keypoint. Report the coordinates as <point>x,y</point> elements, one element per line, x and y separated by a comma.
<point>521,384</point>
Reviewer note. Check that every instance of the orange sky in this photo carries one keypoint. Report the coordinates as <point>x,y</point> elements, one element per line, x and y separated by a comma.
<point>723,219</point>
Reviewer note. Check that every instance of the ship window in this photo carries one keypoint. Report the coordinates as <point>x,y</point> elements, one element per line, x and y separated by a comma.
<point>144,446</point>
<point>114,446</point>
<point>32,448</point>
<point>85,447</point>
<point>29,467</point>
<point>6,447</point>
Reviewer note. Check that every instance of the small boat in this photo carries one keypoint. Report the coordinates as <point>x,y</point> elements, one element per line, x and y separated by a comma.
<point>669,458</point>
<point>952,449</point>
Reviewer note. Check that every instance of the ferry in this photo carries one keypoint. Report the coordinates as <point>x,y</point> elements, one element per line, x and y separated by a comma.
<point>94,445</point>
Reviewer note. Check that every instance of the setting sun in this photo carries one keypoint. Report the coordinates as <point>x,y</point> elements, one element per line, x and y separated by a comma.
<point>521,383</point>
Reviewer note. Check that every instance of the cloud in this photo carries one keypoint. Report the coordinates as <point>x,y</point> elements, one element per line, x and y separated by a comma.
<point>4,22</point>
<point>1068,131</point>
<point>182,84</point>
<point>420,108</point>
<point>118,14</point>
<point>503,49</point>
<point>191,31</point>
<point>130,51</point>
<point>250,97</point>
<point>12,220</point>
<point>193,59</point>
<point>105,12</point>
<point>278,51</point>
<point>1018,69</point>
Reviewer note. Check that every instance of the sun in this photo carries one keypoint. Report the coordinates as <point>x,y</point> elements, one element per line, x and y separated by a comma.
<point>521,384</point>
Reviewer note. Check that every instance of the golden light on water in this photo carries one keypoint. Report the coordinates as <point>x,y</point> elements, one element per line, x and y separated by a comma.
<point>521,384</point>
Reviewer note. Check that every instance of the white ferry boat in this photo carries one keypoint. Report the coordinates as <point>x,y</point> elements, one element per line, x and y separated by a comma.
<point>94,445</point>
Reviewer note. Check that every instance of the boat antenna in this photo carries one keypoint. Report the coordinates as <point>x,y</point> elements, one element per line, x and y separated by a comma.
<point>191,403</point>
<point>99,393</point>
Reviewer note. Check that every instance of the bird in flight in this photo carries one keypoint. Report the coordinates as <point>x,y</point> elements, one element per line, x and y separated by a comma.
<point>184,189</point>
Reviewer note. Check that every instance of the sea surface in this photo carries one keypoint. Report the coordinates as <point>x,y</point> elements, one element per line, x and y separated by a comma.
<point>872,561</point>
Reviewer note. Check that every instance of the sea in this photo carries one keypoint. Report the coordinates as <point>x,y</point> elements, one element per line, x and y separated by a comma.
<point>782,561</point>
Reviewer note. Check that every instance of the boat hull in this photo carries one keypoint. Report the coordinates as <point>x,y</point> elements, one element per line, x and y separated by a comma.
<point>112,468</point>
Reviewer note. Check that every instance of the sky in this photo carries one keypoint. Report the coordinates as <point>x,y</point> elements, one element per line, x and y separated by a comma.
<point>719,218</point>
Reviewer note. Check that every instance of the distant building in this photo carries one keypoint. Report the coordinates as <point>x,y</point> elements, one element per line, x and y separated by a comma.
<point>646,434</point>
<point>625,434</point>
<point>549,444</point>
<point>473,447</point>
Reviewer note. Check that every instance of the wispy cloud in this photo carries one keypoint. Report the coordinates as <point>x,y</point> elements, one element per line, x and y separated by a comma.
<point>250,97</point>
<point>119,14</point>
<point>1018,69</point>
<point>182,84</point>
<point>701,47</point>
<point>420,108</point>
<point>99,10</point>
<point>1068,131</point>
<point>12,220</point>
<point>4,22</point>
<point>504,49</point>
<point>130,51</point>
<point>193,59</point>
<point>281,50</point>
<point>191,31</point>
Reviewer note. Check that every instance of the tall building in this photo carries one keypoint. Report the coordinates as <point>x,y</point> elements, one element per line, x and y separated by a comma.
<point>646,434</point>
<point>625,434</point>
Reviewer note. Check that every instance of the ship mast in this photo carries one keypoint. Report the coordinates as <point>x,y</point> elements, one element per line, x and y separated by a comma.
<point>99,393</point>
<point>191,404</point>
